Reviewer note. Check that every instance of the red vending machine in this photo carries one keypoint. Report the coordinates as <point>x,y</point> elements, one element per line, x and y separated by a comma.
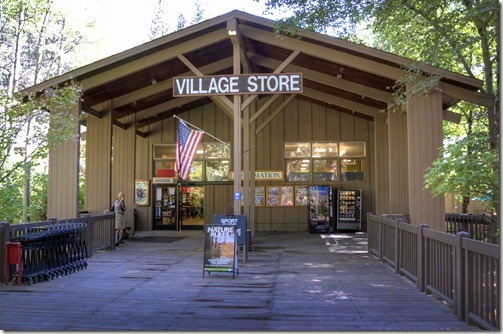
<point>348,209</point>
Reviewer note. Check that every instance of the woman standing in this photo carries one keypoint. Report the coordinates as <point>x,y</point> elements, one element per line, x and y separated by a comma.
<point>119,208</point>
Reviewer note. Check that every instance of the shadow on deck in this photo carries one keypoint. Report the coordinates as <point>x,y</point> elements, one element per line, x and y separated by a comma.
<point>290,281</point>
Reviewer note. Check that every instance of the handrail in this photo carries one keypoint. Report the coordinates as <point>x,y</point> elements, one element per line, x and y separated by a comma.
<point>465,273</point>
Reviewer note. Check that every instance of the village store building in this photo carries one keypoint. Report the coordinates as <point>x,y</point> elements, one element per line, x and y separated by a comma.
<point>336,130</point>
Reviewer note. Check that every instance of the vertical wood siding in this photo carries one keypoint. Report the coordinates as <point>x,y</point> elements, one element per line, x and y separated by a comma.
<point>380,195</point>
<point>123,166</point>
<point>98,164</point>
<point>144,169</point>
<point>424,120</point>
<point>398,168</point>
<point>63,171</point>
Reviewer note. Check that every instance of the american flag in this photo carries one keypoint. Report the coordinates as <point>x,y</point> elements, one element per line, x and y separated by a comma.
<point>188,141</point>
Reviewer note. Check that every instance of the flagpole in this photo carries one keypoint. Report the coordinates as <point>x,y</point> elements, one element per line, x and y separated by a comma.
<point>212,136</point>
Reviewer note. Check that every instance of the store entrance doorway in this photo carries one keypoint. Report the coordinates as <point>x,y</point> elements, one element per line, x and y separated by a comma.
<point>190,203</point>
<point>192,208</point>
<point>165,207</point>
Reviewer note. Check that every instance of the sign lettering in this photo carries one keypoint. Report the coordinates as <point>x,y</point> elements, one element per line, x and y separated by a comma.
<point>238,84</point>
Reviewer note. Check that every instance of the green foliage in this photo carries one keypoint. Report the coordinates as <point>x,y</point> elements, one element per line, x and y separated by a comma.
<point>37,210</point>
<point>11,197</point>
<point>36,44</point>
<point>26,138</point>
<point>465,168</point>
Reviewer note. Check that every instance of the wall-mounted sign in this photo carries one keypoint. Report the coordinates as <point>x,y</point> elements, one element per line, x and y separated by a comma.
<point>163,180</point>
<point>238,84</point>
<point>263,175</point>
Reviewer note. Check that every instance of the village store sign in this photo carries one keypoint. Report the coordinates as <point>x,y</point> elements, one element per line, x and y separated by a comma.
<point>238,84</point>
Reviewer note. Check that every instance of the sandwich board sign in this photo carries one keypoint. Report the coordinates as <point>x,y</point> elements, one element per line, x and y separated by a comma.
<point>220,249</point>
<point>233,220</point>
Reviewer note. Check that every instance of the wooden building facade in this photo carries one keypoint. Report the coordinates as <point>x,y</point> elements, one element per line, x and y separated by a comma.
<point>128,110</point>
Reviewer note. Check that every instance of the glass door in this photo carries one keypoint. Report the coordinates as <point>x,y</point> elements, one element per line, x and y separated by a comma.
<point>192,207</point>
<point>165,207</point>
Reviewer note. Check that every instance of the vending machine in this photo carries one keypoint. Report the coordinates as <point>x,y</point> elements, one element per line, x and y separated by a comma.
<point>349,209</point>
<point>321,209</point>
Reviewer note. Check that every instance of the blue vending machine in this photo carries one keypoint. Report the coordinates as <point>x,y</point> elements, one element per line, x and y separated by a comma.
<point>321,209</point>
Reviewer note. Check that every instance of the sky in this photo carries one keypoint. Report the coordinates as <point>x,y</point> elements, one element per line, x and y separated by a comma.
<point>123,24</point>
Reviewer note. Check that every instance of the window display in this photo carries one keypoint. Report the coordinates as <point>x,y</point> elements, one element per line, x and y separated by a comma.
<point>325,161</point>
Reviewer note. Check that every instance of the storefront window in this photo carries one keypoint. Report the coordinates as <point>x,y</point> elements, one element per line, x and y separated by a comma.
<point>216,151</point>
<point>325,150</point>
<point>325,161</point>
<point>298,170</point>
<point>325,170</point>
<point>196,171</point>
<point>164,152</point>
<point>211,162</point>
<point>352,149</point>
<point>352,169</point>
<point>297,150</point>
<point>217,170</point>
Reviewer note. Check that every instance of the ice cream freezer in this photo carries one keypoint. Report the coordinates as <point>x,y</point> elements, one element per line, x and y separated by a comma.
<point>348,209</point>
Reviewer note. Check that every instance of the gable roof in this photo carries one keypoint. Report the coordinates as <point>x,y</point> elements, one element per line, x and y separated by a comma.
<point>345,76</point>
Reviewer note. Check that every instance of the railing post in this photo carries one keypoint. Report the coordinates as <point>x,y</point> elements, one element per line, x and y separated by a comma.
<point>89,235</point>
<point>397,246</point>
<point>4,238</point>
<point>369,231</point>
<point>420,258</point>
<point>459,276</point>
<point>381,237</point>
<point>112,232</point>
<point>53,220</point>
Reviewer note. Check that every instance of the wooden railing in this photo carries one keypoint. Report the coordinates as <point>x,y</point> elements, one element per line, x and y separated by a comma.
<point>476,225</point>
<point>100,234</point>
<point>461,271</point>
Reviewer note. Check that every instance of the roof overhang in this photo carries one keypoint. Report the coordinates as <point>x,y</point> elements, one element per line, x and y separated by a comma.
<point>345,76</point>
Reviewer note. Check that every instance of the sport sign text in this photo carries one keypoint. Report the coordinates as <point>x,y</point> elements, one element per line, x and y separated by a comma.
<point>238,84</point>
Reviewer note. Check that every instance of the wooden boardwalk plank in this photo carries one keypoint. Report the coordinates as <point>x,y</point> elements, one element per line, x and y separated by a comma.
<point>291,281</point>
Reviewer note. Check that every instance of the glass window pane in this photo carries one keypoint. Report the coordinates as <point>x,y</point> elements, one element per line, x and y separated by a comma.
<point>196,171</point>
<point>352,169</point>
<point>297,170</point>
<point>325,150</point>
<point>216,151</point>
<point>199,152</point>
<point>217,170</point>
<point>297,150</point>
<point>324,170</point>
<point>352,149</point>
<point>164,152</point>
<point>164,164</point>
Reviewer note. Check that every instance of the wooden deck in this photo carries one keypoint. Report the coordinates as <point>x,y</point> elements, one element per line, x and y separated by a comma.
<point>291,281</point>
